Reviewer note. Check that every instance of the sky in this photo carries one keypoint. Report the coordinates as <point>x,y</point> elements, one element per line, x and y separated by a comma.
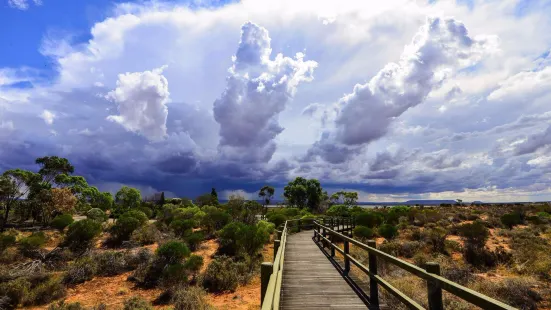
<point>393,99</point>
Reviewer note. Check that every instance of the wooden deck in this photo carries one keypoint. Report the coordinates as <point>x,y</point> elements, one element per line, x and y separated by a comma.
<point>310,281</point>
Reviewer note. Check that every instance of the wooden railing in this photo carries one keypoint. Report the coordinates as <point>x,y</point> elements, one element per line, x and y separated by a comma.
<point>327,237</point>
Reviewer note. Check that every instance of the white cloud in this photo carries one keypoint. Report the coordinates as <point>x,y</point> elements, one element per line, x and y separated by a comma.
<point>48,117</point>
<point>141,99</point>
<point>22,4</point>
<point>534,83</point>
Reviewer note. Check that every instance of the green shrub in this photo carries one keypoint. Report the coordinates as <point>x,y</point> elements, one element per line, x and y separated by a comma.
<point>61,221</point>
<point>238,238</point>
<point>61,305</point>
<point>194,263</point>
<point>134,259</point>
<point>137,303</point>
<point>388,231</point>
<point>338,210</point>
<point>139,215</point>
<point>474,233</point>
<point>194,240</point>
<point>173,252</point>
<point>147,211</point>
<point>214,219</point>
<point>45,292</point>
<point>511,219</point>
<point>277,219</point>
<point>516,292</point>
<point>81,270</point>
<point>123,228</point>
<point>363,233</point>
<point>227,238</point>
<point>182,228</point>
<point>174,275</point>
<point>369,219</point>
<point>190,298</point>
<point>110,263</point>
<point>391,247</point>
<point>96,214</point>
<point>80,234</point>
<point>436,238</point>
<point>267,226</point>
<point>15,290</point>
<point>147,234</point>
<point>32,242</point>
<point>410,248</point>
<point>221,275</point>
<point>6,240</point>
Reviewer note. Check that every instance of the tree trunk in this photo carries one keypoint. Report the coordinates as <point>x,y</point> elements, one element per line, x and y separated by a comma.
<point>6,215</point>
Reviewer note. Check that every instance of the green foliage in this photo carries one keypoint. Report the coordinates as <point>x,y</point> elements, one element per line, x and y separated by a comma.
<point>266,193</point>
<point>173,252</point>
<point>194,263</point>
<point>277,218</point>
<point>61,221</point>
<point>227,237</point>
<point>123,228</point>
<point>80,234</point>
<point>238,238</point>
<point>511,219</point>
<point>267,226</point>
<point>182,228</point>
<point>32,242</point>
<point>194,239</point>
<point>137,303</point>
<point>206,200</point>
<point>369,219</point>
<point>346,198</point>
<point>363,233</point>
<point>214,219</point>
<point>147,211</point>
<point>139,215</point>
<point>190,298</point>
<point>338,210</point>
<point>396,212</point>
<point>475,234</point>
<point>436,238</point>
<point>45,292</point>
<point>16,290</point>
<point>303,193</point>
<point>127,198</point>
<point>147,234</point>
<point>81,270</point>
<point>61,305</point>
<point>388,231</point>
<point>97,215</point>
<point>6,240</point>
<point>221,275</point>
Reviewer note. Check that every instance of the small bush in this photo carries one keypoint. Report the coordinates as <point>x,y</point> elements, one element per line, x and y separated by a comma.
<point>61,305</point>
<point>190,298</point>
<point>363,233</point>
<point>474,233</point>
<point>147,211</point>
<point>6,240</point>
<point>221,275</point>
<point>32,243</point>
<point>45,292</point>
<point>511,219</point>
<point>173,252</point>
<point>436,238</point>
<point>145,235</point>
<point>369,219</point>
<point>80,271</point>
<point>137,303</point>
<point>410,248</point>
<point>338,210</point>
<point>267,226</point>
<point>277,219</point>
<point>139,215</point>
<point>134,259</point>
<point>123,228</point>
<point>15,290</point>
<point>388,231</point>
<point>391,247</point>
<point>96,214</point>
<point>194,263</point>
<point>194,239</point>
<point>110,263</point>
<point>516,292</point>
<point>81,234</point>
<point>174,275</point>
<point>182,228</point>
<point>61,221</point>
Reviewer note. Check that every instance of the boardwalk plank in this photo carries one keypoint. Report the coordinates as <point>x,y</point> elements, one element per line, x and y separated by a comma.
<point>310,281</point>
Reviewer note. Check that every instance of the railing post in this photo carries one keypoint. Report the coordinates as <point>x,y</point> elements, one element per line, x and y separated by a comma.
<point>332,238</point>
<point>434,290</point>
<point>279,232</point>
<point>346,260</point>
<point>299,224</point>
<point>373,287</point>
<point>276,247</point>
<point>324,235</point>
<point>266,270</point>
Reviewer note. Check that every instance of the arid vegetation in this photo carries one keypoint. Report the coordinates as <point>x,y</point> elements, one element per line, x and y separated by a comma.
<point>66,245</point>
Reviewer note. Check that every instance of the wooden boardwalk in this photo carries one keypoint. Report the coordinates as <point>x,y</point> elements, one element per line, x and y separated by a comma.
<point>310,281</point>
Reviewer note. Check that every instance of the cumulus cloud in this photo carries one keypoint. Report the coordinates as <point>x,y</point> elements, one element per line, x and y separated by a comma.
<point>48,117</point>
<point>141,99</point>
<point>535,83</point>
<point>533,142</point>
<point>442,44</point>
<point>22,4</point>
<point>257,91</point>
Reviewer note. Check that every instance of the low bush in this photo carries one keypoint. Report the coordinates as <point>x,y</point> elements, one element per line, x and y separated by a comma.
<point>134,259</point>
<point>137,303</point>
<point>221,275</point>
<point>145,235</point>
<point>15,291</point>
<point>267,226</point>
<point>182,228</point>
<point>436,239</point>
<point>61,305</point>
<point>190,298</point>
<point>147,211</point>
<point>193,264</point>
<point>338,210</point>
<point>110,263</point>
<point>123,229</point>
<point>388,231</point>
<point>173,252</point>
<point>6,240</point>
<point>391,247</point>
<point>363,233</point>
<point>61,221</point>
<point>32,243</point>
<point>410,248</point>
<point>81,234</point>
<point>474,233</point>
<point>277,219</point>
<point>511,219</point>
<point>81,270</point>
<point>516,292</point>
<point>139,215</point>
<point>45,292</point>
<point>194,240</point>
<point>369,219</point>
<point>96,214</point>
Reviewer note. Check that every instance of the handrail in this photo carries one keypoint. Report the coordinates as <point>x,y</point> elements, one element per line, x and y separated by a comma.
<point>435,282</point>
<point>273,290</point>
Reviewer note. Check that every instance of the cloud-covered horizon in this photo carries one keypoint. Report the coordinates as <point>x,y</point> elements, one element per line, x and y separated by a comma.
<point>397,100</point>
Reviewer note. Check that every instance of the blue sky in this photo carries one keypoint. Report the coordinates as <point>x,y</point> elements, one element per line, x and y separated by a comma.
<point>452,97</point>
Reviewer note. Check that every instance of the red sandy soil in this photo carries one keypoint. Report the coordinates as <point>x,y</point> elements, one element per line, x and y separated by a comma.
<point>207,250</point>
<point>244,298</point>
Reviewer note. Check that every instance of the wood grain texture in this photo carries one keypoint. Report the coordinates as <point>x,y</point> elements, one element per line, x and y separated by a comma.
<point>310,281</point>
